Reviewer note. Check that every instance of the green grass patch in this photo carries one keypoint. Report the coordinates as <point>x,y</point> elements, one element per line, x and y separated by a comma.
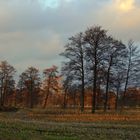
<point>22,130</point>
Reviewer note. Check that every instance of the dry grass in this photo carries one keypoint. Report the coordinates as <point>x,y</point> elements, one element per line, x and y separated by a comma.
<point>59,124</point>
<point>70,115</point>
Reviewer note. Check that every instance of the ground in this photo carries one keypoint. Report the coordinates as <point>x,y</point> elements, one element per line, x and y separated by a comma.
<point>59,124</point>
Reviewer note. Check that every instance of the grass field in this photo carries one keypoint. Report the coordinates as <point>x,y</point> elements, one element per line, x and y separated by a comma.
<point>57,124</point>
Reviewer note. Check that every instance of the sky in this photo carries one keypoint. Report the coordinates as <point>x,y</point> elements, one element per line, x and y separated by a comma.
<point>34,32</point>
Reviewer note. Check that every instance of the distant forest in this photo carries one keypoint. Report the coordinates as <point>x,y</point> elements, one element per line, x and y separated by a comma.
<point>99,72</point>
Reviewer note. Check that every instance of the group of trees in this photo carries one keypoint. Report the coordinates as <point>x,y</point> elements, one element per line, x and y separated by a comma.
<point>29,86</point>
<point>97,67</point>
<point>96,60</point>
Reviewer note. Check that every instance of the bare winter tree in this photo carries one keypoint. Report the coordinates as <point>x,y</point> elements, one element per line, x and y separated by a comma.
<point>115,52</point>
<point>30,81</point>
<point>132,67</point>
<point>95,38</point>
<point>51,82</point>
<point>75,54</point>
<point>117,79</point>
<point>7,82</point>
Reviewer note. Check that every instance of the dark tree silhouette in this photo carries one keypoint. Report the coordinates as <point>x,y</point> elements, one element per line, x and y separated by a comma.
<point>7,82</point>
<point>115,52</point>
<point>30,82</point>
<point>75,54</point>
<point>95,38</point>
<point>50,83</point>
<point>132,67</point>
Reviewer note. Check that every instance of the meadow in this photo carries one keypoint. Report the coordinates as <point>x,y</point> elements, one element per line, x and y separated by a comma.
<point>59,124</point>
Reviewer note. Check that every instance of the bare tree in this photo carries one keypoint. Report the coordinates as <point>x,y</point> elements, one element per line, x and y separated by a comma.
<point>132,67</point>
<point>115,52</point>
<point>51,82</point>
<point>117,79</point>
<point>75,54</point>
<point>95,38</point>
<point>7,82</point>
<point>30,81</point>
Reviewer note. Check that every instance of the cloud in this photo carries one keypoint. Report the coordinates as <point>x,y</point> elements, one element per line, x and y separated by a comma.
<point>49,3</point>
<point>123,24</point>
<point>32,35</point>
<point>125,5</point>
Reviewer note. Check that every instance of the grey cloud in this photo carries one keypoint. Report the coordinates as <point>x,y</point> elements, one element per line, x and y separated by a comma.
<point>31,35</point>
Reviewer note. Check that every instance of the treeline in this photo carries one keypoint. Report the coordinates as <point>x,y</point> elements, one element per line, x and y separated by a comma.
<point>99,71</point>
<point>30,90</point>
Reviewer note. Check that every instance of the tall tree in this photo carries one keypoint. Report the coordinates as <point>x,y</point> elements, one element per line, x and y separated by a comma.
<point>30,81</point>
<point>115,52</point>
<point>7,82</point>
<point>75,54</point>
<point>95,38</point>
<point>132,67</point>
<point>51,82</point>
<point>118,80</point>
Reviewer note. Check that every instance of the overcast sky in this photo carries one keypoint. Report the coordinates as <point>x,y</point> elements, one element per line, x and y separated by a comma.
<point>33,32</point>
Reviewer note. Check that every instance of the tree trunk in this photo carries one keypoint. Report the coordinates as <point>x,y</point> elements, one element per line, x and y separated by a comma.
<point>98,97</point>
<point>83,90</point>
<point>1,96</point>
<point>74,100</point>
<point>107,85</point>
<point>46,99</point>
<point>65,100</point>
<point>94,83</point>
<point>31,100</point>
<point>117,96</point>
<point>126,84</point>
<point>31,97</point>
